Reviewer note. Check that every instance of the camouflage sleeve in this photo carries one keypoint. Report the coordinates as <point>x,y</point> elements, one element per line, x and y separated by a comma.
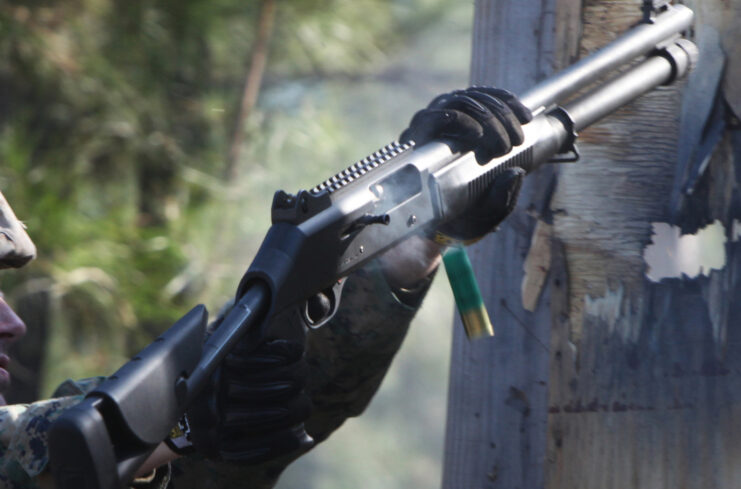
<point>23,435</point>
<point>23,438</point>
<point>347,358</point>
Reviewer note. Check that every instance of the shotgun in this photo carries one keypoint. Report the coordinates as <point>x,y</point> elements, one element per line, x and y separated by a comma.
<point>321,235</point>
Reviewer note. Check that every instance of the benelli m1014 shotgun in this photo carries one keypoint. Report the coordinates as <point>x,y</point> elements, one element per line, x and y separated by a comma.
<point>321,235</point>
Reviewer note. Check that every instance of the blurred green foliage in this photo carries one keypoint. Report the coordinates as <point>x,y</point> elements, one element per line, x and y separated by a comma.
<point>116,117</point>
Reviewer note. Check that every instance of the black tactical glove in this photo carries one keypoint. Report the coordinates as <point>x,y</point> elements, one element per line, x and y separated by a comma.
<point>488,121</point>
<point>488,212</point>
<point>483,119</point>
<point>256,406</point>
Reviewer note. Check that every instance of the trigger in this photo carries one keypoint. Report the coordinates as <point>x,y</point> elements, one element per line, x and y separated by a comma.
<point>322,306</point>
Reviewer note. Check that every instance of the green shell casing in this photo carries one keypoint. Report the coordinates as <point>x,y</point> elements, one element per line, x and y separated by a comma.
<point>467,295</point>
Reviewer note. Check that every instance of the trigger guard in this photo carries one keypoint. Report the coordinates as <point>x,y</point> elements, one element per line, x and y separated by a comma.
<point>334,294</point>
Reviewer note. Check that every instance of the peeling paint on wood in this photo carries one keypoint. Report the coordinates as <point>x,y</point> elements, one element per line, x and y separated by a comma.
<point>536,266</point>
<point>606,202</point>
<point>644,379</point>
<point>613,311</point>
<point>651,395</point>
<point>672,254</point>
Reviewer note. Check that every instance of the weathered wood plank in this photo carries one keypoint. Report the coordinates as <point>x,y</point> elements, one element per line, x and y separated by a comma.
<point>645,385</point>
<point>496,431</point>
<point>644,378</point>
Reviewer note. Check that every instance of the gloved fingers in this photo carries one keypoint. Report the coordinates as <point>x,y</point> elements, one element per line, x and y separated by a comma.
<point>235,447</point>
<point>271,348</point>
<point>492,115</point>
<point>254,420</point>
<point>442,99</point>
<point>490,210</point>
<point>268,356</point>
<point>501,198</point>
<point>203,418</point>
<point>503,113</point>
<point>523,114</point>
<point>485,119</point>
<point>430,124</point>
<point>265,387</point>
<point>237,366</point>
<point>256,393</point>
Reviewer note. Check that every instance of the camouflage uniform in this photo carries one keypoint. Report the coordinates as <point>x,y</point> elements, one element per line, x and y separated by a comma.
<point>23,432</point>
<point>347,358</point>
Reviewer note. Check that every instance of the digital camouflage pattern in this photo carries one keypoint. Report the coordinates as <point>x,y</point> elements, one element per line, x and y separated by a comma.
<point>23,434</point>
<point>347,359</point>
<point>16,247</point>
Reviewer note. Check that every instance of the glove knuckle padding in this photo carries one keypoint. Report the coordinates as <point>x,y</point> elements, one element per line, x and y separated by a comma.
<point>462,102</point>
<point>254,402</point>
<point>522,113</point>
<point>251,420</point>
<point>501,131</point>
<point>252,364</point>
<point>494,116</point>
<point>431,124</point>
<point>257,393</point>
<point>268,352</point>
<point>266,387</point>
<point>474,125</point>
<point>262,448</point>
<point>504,114</point>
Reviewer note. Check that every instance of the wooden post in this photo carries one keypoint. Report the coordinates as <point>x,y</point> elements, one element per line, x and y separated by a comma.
<point>496,431</point>
<point>640,385</point>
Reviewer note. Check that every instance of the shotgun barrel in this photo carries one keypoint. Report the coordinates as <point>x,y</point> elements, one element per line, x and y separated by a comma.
<point>636,42</point>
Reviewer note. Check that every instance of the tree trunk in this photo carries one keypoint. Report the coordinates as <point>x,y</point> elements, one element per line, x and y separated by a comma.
<point>641,383</point>
<point>252,83</point>
<point>497,409</point>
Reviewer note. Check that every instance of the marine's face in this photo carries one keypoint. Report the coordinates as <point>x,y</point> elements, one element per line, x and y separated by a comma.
<point>16,249</point>
<point>11,330</point>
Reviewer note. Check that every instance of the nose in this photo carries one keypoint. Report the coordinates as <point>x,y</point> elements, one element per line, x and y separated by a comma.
<point>11,326</point>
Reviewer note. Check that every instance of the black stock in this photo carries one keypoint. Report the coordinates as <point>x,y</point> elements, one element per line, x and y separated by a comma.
<point>320,236</point>
<point>101,442</point>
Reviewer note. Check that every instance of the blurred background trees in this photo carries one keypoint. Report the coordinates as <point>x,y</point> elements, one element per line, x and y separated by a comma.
<point>146,192</point>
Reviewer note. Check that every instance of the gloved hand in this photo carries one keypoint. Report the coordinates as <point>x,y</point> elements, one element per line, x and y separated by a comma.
<point>489,122</point>
<point>487,213</point>
<point>483,119</point>
<point>256,406</point>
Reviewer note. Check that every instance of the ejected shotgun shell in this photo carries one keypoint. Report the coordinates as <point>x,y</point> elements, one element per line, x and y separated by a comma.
<point>467,294</point>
